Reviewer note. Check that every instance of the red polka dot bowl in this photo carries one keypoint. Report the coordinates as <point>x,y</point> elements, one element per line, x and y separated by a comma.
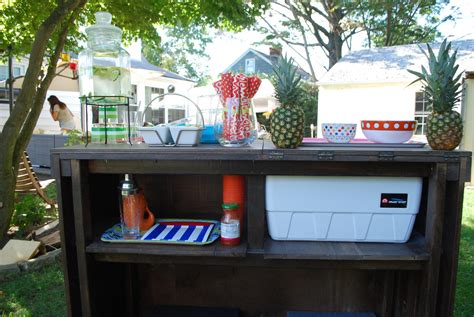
<point>339,132</point>
<point>383,131</point>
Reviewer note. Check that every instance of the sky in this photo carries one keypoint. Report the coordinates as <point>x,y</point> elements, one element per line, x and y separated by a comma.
<point>227,48</point>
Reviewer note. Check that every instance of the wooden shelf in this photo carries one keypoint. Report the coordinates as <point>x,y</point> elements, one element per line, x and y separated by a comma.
<point>414,250</point>
<point>115,251</point>
<point>260,275</point>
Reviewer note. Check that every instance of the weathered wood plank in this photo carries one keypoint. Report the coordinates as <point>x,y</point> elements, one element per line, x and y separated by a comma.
<point>450,241</point>
<point>220,167</point>
<point>434,234</point>
<point>255,211</point>
<point>68,238</point>
<point>414,250</point>
<point>257,290</point>
<point>83,228</point>
<point>139,249</point>
<point>255,152</point>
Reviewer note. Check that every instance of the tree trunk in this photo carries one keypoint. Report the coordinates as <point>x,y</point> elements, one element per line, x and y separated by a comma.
<point>335,49</point>
<point>18,128</point>
<point>335,42</point>
<point>7,200</point>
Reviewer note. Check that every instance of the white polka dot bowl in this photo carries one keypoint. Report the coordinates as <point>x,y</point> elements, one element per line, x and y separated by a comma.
<point>339,132</point>
<point>382,131</point>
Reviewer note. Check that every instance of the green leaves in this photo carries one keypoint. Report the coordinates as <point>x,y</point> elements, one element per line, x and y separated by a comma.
<point>441,85</point>
<point>180,49</point>
<point>20,19</point>
<point>287,82</point>
<point>29,212</point>
<point>398,22</point>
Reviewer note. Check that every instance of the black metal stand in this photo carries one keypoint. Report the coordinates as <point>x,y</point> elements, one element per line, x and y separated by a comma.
<point>106,102</point>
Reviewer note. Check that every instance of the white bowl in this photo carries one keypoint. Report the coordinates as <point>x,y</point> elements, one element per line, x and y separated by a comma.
<point>157,135</point>
<point>339,132</point>
<point>383,131</point>
<point>186,135</point>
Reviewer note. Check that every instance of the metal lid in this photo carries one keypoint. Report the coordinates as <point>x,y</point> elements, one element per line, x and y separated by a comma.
<point>127,186</point>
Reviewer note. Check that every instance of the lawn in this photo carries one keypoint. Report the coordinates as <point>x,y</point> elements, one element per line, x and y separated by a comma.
<point>41,293</point>
<point>464,306</point>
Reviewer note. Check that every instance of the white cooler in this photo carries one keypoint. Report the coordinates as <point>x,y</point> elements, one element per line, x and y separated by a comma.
<point>342,208</point>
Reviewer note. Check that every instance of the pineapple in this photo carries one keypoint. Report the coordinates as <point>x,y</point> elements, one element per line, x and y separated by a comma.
<point>441,86</point>
<point>287,121</point>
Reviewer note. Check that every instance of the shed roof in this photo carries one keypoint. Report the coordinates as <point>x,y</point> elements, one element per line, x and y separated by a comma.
<point>390,64</point>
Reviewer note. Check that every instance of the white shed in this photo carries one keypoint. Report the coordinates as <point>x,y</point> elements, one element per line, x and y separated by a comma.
<point>374,84</point>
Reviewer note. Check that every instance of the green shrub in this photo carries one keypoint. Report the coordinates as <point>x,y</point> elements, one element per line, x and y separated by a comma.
<point>29,212</point>
<point>50,191</point>
<point>74,137</point>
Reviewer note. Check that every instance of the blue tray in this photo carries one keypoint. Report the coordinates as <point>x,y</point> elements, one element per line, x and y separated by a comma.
<point>114,234</point>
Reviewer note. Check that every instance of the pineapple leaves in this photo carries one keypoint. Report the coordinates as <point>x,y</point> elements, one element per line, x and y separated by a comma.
<point>287,82</point>
<point>441,85</point>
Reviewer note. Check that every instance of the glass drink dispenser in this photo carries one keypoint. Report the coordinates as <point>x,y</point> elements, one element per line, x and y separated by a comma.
<point>104,78</point>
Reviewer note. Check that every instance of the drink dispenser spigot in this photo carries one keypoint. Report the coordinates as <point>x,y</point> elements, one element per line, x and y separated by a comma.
<point>135,216</point>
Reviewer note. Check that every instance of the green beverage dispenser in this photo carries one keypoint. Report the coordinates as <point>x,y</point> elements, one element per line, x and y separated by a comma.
<point>104,81</point>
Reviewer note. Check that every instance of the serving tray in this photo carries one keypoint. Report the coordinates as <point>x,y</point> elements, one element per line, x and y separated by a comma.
<point>360,143</point>
<point>171,231</point>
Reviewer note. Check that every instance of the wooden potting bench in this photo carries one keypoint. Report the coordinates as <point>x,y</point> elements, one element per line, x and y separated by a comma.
<point>261,277</point>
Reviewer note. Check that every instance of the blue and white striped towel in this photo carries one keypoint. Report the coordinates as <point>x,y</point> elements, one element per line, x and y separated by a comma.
<point>179,232</point>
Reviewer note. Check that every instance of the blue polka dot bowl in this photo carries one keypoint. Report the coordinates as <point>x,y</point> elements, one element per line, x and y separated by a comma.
<point>339,132</point>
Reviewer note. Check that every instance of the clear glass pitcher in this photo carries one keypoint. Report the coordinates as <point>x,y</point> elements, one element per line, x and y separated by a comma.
<point>104,66</point>
<point>104,78</point>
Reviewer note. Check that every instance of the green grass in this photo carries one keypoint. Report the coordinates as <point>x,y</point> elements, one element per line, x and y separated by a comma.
<point>41,293</point>
<point>464,306</point>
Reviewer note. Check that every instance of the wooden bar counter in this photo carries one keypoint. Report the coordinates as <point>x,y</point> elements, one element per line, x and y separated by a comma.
<point>261,276</point>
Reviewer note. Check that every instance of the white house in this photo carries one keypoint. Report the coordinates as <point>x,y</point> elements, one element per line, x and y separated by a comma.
<point>148,81</point>
<point>250,62</point>
<point>375,84</point>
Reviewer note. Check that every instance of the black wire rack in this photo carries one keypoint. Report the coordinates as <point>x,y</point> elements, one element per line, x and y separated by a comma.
<point>103,103</point>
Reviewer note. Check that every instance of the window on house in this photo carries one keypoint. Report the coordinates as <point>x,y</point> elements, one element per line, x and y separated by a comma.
<point>17,71</point>
<point>4,95</point>
<point>155,116</point>
<point>151,93</point>
<point>176,114</point>
<point>421,112</point>
<point>162,112</point>
<point>250,66</point>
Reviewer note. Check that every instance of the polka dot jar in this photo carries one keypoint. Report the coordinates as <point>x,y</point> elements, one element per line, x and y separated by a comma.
<point>339,132</point>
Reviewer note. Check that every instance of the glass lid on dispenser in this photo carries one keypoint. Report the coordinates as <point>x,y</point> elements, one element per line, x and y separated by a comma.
<point>103,33</point>
<point>104,66</point>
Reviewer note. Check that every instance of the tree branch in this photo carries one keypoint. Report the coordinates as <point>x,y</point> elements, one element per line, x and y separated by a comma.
<point>275,32</point>
<point>307,15</point>
<point>25,98</point>
<point>30,123</point>
<point>316,27</point>
<point>308,58</point>
<point>283,14</point>
<point>321,13</point>
<point>407,22</point>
